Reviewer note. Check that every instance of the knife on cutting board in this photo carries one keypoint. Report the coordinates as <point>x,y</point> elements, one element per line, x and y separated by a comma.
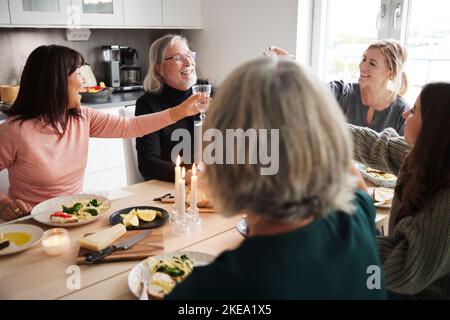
<point>96,256</point>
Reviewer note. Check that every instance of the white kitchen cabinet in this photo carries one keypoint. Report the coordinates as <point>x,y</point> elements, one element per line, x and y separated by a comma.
<point>4,12</point>
<point>142,13</point>
<point>182,13</point>
<point>97,13</point>
<point>40,12</point>
<point>105,168</point>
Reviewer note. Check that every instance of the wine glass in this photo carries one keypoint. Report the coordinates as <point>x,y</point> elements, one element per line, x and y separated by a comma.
<point>203,104</point>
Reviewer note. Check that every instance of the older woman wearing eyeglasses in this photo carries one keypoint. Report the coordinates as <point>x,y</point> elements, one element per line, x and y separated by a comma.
<point>168,83</point>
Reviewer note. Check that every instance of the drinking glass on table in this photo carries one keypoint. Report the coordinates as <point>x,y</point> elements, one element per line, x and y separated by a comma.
<point>203,104</point>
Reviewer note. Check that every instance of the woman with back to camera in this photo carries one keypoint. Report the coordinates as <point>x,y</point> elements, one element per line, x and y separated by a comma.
<point>44,140</point>
<point>311,231</point>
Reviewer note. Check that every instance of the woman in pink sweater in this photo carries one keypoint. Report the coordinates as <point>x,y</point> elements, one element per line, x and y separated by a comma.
<point>44,140</point>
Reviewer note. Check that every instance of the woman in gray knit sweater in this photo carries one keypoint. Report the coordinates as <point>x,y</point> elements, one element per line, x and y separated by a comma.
<point>416,253</point>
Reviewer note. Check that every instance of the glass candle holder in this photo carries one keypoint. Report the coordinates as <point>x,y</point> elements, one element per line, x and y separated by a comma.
<point>56,241</point>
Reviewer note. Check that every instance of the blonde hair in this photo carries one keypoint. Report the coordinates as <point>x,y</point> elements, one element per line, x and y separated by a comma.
<point>315,147</point>
<point>153,81</point>
<point>395,58</point>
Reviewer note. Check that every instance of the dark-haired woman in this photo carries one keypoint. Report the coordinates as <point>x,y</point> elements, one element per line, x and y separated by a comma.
<point>44,140</point>
<point>416,253</point>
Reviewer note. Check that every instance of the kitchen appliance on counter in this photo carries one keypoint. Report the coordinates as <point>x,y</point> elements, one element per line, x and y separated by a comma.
<point>121,72</point>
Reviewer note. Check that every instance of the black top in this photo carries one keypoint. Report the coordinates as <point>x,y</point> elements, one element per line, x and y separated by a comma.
<point>331,258</point>
<point>154,149</point>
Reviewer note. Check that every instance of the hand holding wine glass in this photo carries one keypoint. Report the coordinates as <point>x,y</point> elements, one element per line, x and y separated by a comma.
<point>203,103</point>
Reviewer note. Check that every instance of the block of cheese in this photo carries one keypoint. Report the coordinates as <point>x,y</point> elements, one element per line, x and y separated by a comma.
<point>102,239</point>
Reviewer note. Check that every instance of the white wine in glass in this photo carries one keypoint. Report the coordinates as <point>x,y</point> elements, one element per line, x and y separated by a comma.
<point>203,103</point>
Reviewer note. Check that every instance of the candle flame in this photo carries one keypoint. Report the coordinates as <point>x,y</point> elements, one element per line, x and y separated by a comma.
<point>183,173</point>
<point>194,171</point>
<point>178,161</point>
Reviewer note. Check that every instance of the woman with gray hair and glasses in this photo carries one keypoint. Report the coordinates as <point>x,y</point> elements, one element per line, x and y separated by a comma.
<point>168,83</point>
<point>311,230</point>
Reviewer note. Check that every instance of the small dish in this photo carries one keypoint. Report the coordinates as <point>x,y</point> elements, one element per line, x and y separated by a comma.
<point>376,179</point>
<point>115,218</point>
<point>34,233</point>
<point>381,196</point>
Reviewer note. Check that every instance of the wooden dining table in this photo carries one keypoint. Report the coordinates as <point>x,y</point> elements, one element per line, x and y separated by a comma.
<point>31,274</point>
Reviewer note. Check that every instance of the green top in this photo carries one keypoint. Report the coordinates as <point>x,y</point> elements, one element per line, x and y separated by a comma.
<point>327,259</point>
<point>416,253</point>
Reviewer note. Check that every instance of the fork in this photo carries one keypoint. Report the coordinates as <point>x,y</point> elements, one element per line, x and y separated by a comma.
<point>145,278</point>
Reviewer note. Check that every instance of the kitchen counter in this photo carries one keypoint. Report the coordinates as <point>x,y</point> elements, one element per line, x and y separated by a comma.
<point>114,101</point>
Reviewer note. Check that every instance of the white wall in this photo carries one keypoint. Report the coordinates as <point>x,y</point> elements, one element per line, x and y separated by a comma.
<point>239,30</point>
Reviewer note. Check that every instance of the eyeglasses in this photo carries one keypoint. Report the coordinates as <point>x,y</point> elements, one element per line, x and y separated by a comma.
<point>180,58</point>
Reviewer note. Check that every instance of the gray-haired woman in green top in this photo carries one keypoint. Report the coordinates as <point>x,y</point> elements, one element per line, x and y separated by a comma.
<point>311,235</point>
<point>416,253</point>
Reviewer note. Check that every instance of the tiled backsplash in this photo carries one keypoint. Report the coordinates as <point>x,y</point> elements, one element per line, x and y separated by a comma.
<point>16,44</point>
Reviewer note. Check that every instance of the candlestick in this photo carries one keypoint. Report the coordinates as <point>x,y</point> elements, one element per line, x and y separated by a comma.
<point>194,188</point>
<point>56,241</point>
<point>177,179</point>
<point>182,195</point>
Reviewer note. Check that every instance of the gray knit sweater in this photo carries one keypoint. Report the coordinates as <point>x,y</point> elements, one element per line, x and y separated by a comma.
<point>416,253</point>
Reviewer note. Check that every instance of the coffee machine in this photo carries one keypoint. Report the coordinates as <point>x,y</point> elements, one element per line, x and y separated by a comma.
<point>121,73</point>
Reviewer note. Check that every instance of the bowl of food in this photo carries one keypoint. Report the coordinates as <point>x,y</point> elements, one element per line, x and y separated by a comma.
<point>96,93</point>
<point>377,177</point>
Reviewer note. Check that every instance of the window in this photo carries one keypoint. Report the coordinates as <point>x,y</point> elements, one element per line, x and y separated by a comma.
<point>350,25</point>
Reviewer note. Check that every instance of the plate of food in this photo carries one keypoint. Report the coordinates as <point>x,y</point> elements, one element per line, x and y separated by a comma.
<point>204,201</point>
<point>18,237</point>
<point>377,177</point>
<point>382,197</point>
<point>140,217</point>
<point>70,211</point>
<point>166,271</point>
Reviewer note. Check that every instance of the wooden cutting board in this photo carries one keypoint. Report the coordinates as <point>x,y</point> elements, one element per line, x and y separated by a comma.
<point>152,245</point>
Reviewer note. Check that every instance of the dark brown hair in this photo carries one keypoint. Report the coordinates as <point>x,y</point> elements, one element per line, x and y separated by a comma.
<point>43,90</point>
<point>426,171</point>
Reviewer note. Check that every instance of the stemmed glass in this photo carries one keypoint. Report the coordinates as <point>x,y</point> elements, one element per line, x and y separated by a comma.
<point>203,104</point>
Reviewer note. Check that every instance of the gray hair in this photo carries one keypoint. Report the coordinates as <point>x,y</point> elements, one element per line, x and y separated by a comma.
<point>315,145</point>
<point>153,81</point>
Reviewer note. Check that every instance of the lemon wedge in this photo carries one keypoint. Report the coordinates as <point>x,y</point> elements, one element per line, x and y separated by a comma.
<point>130,219</point>
<point>146,215</point>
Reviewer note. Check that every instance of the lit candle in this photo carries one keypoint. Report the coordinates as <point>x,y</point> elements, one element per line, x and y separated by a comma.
<point>56,241</point>
<point>177,179</point>
<point>194,188</point>
<point>182,194</point>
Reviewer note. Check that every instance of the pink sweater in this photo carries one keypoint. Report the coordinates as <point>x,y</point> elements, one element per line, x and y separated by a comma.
<point>42,166</point>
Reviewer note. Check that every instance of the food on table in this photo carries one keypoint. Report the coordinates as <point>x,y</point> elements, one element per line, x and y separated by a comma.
<point>17,238</point>
<point>132,218</point>
<point>379,174</point>
<point>79,211</point>
<point>382,196</point>
<point>100,240</point>
<point>203,200</point>
<point>165,274</point>
<point>94,89</point>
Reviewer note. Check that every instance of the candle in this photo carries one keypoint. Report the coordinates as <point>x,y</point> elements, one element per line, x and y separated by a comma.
<point>194,188</point>
<point>182,194</point>
<point>177,179</point>
<point>56,241</point>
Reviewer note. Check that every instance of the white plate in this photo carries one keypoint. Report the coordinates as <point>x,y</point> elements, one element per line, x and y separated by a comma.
<point>389,196</point>
<point>134,277</point>
<point>36,234</point>
<point>44,209</point>
<point>388,183</point>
